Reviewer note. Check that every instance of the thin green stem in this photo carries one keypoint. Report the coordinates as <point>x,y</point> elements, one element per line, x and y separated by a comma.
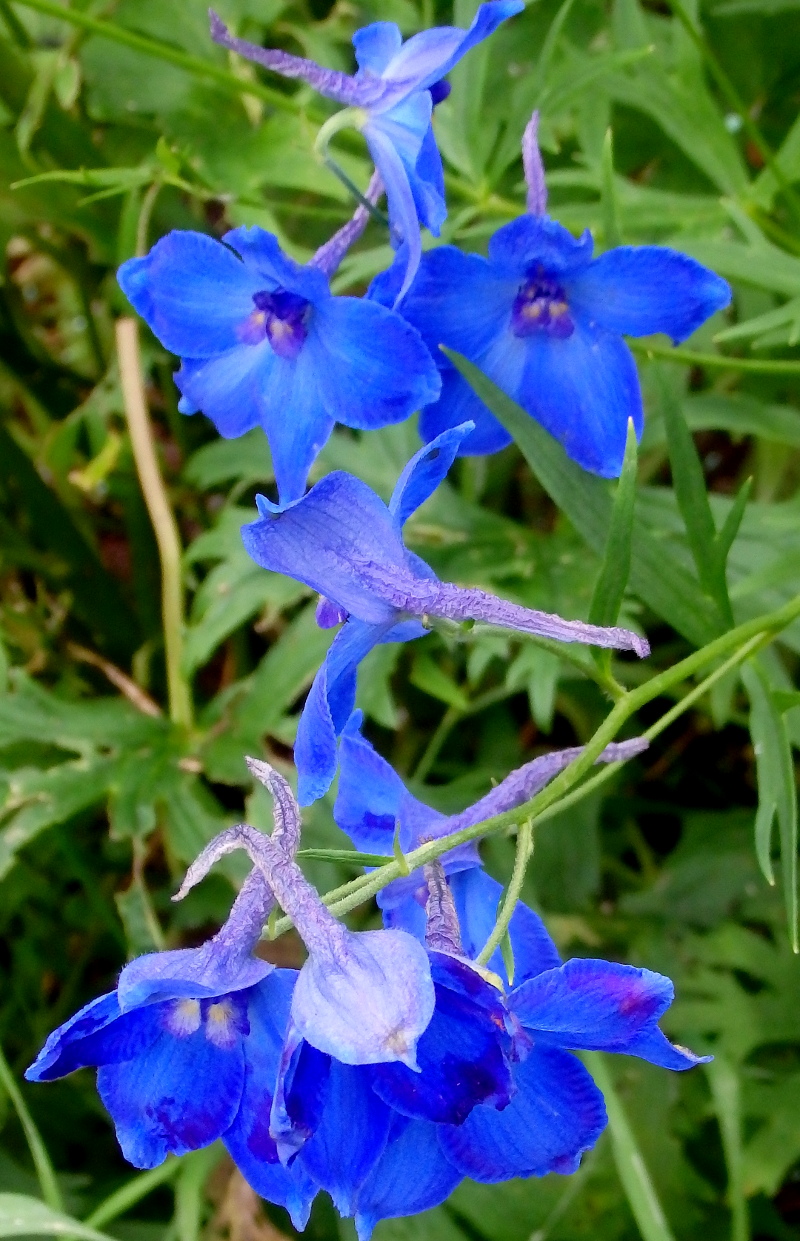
<point>741,641</point>
<point>442,731</point>
<point>161,515</point>
<point>132,1192</point>
<point>145,213</point>
<point>48,1184</point>
<point>765,366</point>
<point>521,859</point>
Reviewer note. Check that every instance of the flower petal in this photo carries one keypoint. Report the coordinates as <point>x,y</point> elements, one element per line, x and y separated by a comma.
<point>372,366</point>
<point>429,55</point>
<point>376,44</point>
<point>248,1140</point>
<point>653,1045</point>
<point>556,1114</point>
<point>425,471</point>
<point>299,1096</point>
<point>295,419</point>
<point>427,184</point>
<point>230,388</point>
<point>178,1095</point>
<point>264,257</point>
<point>192,293</point>
<point>637,290</point>
<point>457,404</point>
<point>412,1176</point>
<point>327,708</point>
<point>339,539</point>
<point>403,217</point>
<point>350,1138</point>
<point>370,792</point>
<point>460,301</point>
<point>190,972</point>
<point>537,240</point>
<point>97,1034</point>
<point>477,898</point>
<point>583,389</point>
<point>461,1055</point>
<point>597,1005</point>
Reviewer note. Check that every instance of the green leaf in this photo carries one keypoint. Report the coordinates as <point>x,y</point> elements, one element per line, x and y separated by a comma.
<point>345,857</point>
<point>615,570</point>
<point>656,576</point>
<point>730,528</point>
<point>611,230</point>
<point>777,788</point>
<point>724,1082</point>
<point>431,679</point>
<point>21,1216</point>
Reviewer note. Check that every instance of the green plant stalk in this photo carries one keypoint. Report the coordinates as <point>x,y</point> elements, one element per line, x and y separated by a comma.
<point>161,515</point>
<point>764,366</point>
<point>51,1193</point>
<point>131,1192</point>
<point>632,1170</point>
<point>724,1083</point>
<point>521,859</point>
<point>740,642</point>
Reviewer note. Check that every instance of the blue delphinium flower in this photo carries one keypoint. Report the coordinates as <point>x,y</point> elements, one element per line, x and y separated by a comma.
<point>556,1112</point>
<point>344,542</point>
<point>264,342</point>
<point>374,807</point>
<point>545,321</point>
<point>392,97</point>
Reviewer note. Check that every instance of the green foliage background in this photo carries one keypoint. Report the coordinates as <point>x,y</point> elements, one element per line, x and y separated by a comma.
<point>126,109</point>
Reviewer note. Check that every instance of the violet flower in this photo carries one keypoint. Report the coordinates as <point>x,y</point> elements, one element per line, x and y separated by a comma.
<point>344,542</point>
<point>545,321</point>
<point>264,342</point>
<point>391,99</point>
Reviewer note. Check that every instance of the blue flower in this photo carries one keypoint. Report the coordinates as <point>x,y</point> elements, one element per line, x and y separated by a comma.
<point>344,542</point>
<point>545,320</point>
<point>392,95</point>
<point>264,342</point>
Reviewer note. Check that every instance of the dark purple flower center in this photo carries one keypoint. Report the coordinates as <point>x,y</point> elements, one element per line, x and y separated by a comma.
<point>280,316</point>
<point>541,306</point>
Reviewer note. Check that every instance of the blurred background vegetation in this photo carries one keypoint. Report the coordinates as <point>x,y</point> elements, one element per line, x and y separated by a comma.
<point>125,121</point>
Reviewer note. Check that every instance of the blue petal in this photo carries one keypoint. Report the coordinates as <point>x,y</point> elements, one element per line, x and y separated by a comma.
<point>408,127</point>
<point>412,1176</point>
<point>429,55</point>
<point>294,417</point>
<point>457,404</point>
<point>230,388</point>
<point>327,708</point>
<point>299,1097</point>
<point>181,1093</point>
<point>531,241</point>
<point>339,539</point>
<point>556,1114</point>
<point>477,897</point>
<point>461,1055</point>
<point>399,197</point>
<point>263,257</point>
<point>459,300</point>
<point>370,792</point>
<point>598,1005</point>
<point>192,292</point>
<point>191,972</point>
<point>376,44</point>
<point>373,367</point>
<point>427,184</point>
<point>653,1045</point>
<point>425,471</point>
<point>370,1002</point>
<point>583,390</point>
<point>638,290</point>
<point>248,1141</point>
<point>97,1034</point>
<point>350,1137</point>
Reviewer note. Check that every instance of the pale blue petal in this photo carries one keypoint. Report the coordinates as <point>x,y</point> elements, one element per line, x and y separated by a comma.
<point>230,388</point>
<point>425,471</point>
<point>189,972</point>
<point>177,1096</point>
<point>192,293</point>
<point>531,241</point>
<point>373,368</point>
<point>413,1175</point>
<point>350,1137</point>
<point>556,1114</point>
<point>376,44</point>
<point>429,55</point>
<point>583,389</point>
<point>400,199</point>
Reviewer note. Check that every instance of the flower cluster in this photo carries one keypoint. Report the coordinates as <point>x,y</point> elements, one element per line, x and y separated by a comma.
<point>394,1062</point>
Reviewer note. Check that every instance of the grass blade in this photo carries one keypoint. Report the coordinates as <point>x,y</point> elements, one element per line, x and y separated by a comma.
<point>724,1082</point>
<point>51,1192</point>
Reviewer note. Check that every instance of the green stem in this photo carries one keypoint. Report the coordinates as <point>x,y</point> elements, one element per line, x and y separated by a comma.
<point>132,1192</point>
<point>145,213</point>
<point>442,731</point>
<point>48,1184</point>
<point>766,366</point>
<point>742,640</point>
<point>161,515</point>
<point>521,859</point>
